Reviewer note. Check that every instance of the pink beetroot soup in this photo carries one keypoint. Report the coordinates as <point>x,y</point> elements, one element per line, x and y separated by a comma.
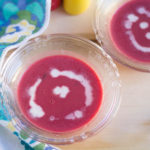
<point>130,29</point>
<point>59,93</point>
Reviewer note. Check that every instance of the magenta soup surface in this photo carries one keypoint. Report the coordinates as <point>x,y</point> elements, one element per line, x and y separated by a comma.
<point>130,30</point>
<point>59,93</point>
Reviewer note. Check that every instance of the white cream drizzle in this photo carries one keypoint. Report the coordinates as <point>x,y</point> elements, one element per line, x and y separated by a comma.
<point>61,91</point>
<point>36,111</point>
<point>131,19</point>
<point>75,115</point>
<point>80,78</point>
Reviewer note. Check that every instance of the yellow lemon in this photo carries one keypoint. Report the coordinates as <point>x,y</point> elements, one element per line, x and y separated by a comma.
<point>75,7</point>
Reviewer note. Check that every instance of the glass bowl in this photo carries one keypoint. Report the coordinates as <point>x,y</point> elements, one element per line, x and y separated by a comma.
<point>60,44</point>
<point>105,11</point>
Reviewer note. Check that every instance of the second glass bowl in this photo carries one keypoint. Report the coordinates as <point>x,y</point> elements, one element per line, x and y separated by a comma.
<point>130,19</point>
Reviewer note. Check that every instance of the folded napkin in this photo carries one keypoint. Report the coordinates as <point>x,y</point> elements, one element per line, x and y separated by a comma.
<point>21,20</point>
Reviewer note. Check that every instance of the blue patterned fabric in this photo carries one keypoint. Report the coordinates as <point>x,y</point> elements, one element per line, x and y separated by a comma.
<point>20,19</point>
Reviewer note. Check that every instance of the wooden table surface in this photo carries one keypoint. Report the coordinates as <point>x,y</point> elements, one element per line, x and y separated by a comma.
<point>130,129</point>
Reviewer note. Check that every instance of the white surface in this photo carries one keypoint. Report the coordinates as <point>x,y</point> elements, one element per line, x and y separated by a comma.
<point>8,141</point>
